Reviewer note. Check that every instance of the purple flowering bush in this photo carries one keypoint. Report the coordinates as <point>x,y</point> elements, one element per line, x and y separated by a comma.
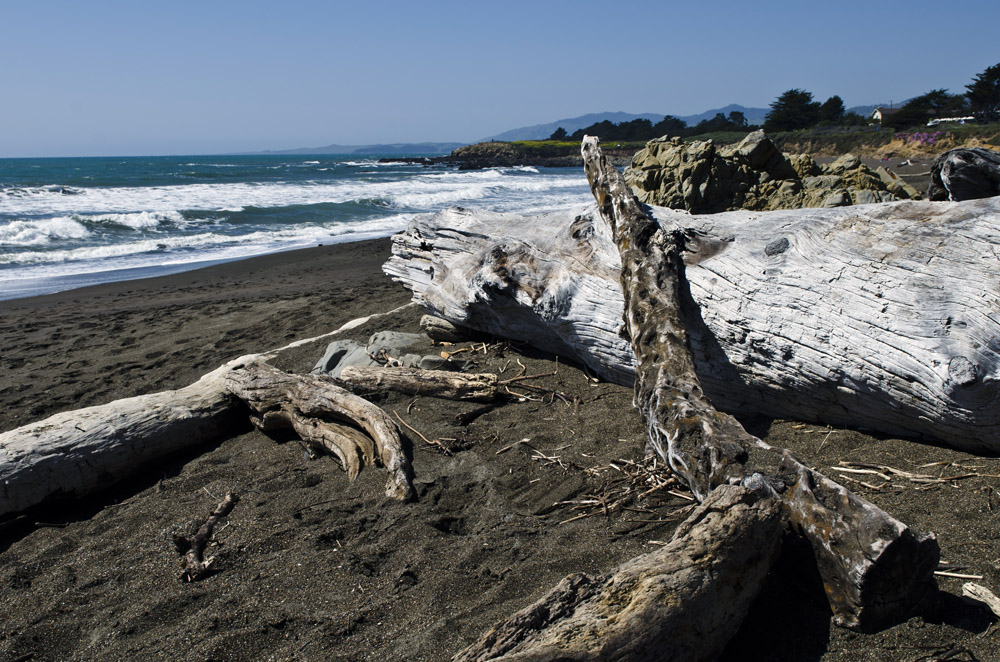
<point>922,137</point>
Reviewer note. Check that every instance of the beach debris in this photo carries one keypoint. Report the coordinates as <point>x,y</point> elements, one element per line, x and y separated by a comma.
<point>415,381</point>
<point>326,415</point>
<point>983,596</point>
<point>438,443</point>
<point>192,548</point>
<point>441,330</point>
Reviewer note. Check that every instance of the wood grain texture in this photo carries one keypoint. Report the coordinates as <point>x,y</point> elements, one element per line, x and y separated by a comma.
<point>415,381</point>
<point>78,452</point>
<point>884,317</point>
<point>875,569</point>
<point>681,602</point>
<point>308,404</point>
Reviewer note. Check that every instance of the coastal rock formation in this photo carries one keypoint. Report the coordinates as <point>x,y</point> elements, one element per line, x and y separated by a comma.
<point>705,179</point>
<point>965,174</point>
<point>852,316</point>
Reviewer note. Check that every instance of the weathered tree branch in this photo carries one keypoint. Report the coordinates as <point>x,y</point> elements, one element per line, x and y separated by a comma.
<point>860,549</point>
<point>415,381</point>
<point>681,602</point>
<point>78,452</point>
<point>321,412</point>
<point>192,548</point>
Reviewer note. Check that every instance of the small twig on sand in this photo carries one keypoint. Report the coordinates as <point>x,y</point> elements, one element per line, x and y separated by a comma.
<point>193,548</point>
<point>440,446</point>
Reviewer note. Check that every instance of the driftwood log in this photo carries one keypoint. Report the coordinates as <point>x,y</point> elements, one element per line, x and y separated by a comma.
<point>78,452</point>
<point>415,381</point>
<point>884,317</point>
<point>875,569</point>
<point>75,453</point>
<point>324,414</point>
<point>681,602</point>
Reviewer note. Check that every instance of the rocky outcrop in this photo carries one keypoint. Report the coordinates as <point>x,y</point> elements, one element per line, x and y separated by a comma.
<point>704,179</point>
<point>535,153</point>
<point>965,174</point>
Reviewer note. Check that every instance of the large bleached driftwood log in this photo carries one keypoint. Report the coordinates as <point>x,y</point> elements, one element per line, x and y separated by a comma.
<point>78,452</point>
<point>884,316</point>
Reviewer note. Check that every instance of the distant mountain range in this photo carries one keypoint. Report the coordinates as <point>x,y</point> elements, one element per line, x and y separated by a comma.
<point>390,148</point>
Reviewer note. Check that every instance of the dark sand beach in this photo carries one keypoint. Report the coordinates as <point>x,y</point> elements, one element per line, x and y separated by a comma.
<point>311,566</point>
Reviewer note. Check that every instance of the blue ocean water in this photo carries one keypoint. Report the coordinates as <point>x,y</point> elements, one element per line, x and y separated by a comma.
<point>69,222</point>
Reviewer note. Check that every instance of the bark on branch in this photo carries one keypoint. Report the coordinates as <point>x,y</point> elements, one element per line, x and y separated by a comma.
<point>415,381</point>
<point>861,550</point>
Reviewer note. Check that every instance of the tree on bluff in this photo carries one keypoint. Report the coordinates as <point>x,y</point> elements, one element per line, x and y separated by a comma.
<point>936,103</point>
<point>832,109</point>
<point>795,109</point>
<point>984,94</point>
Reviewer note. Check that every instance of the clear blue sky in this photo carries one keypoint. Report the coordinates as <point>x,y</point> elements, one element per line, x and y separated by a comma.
<point>179,77</point>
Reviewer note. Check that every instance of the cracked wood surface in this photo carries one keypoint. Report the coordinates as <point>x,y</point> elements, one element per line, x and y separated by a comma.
<point>884,317</point>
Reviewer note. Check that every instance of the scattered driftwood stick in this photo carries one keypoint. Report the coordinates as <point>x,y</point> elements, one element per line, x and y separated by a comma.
<point>192,548</point>
<point>414,381</point>
<point>308,403</point>
<point>874,568</point>
<point>681,602</point>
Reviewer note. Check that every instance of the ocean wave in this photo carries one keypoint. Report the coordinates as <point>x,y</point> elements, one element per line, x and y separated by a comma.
<point>42,231</point>
<point>181,249</point>
<point>421,191</point>
<point>137,220</point>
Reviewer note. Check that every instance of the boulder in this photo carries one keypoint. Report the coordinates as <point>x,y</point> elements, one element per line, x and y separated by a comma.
<point>753,174</point>
<point>965,174</point>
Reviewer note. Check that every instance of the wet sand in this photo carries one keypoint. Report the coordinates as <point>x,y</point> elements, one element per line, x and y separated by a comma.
<point>311,566</point>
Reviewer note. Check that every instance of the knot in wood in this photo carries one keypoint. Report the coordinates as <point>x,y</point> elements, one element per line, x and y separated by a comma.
<point>776,247</point>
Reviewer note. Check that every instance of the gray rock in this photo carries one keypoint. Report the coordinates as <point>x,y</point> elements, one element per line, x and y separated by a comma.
<point>965,174</point>
<point>342,353</point>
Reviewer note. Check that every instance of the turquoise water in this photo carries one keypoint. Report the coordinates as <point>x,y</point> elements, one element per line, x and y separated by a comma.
<point>70,222</point>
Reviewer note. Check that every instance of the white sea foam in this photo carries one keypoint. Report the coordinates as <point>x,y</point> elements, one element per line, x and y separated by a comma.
<point>182,249</point>
<point>41,232</point>
<point>57,231</point>
<point>426,190</point>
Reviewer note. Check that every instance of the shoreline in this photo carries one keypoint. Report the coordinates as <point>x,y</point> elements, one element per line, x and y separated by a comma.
<point>46,285</point>
<point>101,342</point>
